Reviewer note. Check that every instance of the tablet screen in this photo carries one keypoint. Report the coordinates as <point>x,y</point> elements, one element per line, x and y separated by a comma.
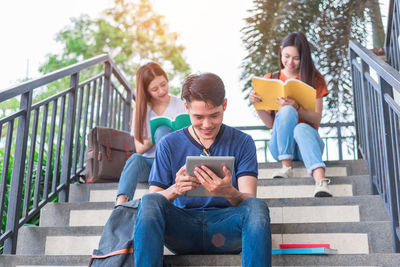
<point>214,163</point>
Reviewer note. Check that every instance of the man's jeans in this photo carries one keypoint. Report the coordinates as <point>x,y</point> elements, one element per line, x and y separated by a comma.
<point>296,141</point>
<point>243,228</point>
<point>137,168</point>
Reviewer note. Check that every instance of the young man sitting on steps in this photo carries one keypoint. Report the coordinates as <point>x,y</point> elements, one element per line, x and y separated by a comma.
<point>232,221</point>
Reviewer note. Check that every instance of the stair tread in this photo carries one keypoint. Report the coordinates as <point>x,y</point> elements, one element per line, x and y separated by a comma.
<point>344,233</point>
<point>377,259</point>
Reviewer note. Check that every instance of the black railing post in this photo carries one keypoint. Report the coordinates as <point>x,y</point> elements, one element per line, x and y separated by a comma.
<point>368,131</point>
<point>106,94</point>
<point>127,112</point>
<point>353,57</point>
<point>18,173</point>
<point>339,135</point>
<point>69,137</point>
<point>388,159</point>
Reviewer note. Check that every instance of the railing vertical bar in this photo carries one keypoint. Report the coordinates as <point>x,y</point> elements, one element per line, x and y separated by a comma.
<point>117,112</point>
<point>77,147</point>
<point>58,149</point>
<point>366,98</point>
<point>361,140</point>
<point>111,108</point>
<point>388,159</point>
<point>68,141</point>
<point>29,176</point>
<point>84,127</point>
<point>396,157</point>
<point>98,106</point>
<point>355,87</point>
<point>374,137</point>
<point>39,167</point>
<point>93,104</point>
<point>327,148</point>
<point>17,178</point>
<point>265,150</point>
<point>377,153</point>
<point>395,51</point>
<point>127,110</point>
<point>50,151</point>
<point>106,94</point>
<point>339,135</point>
<point>377,128</point>
<point>6,162</point>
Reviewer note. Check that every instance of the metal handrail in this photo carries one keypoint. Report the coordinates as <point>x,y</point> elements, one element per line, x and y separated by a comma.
<point>339,137</point>
<point>378,126</point>
<point>47,147</point>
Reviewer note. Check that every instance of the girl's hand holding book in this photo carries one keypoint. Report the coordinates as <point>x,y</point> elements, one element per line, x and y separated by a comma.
<point>283,101</point>
<point>254,98</point>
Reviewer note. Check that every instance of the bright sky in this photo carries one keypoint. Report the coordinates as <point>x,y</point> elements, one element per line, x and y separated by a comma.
<point>209,29</point>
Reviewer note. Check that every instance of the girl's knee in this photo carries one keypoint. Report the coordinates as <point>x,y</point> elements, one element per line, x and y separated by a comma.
<point>302,130</point>
<point>287,111</point>
<point>287,115</point>
<point>136,157</point>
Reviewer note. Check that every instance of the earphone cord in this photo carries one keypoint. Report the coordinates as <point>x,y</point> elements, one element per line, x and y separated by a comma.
<point>205,150</point>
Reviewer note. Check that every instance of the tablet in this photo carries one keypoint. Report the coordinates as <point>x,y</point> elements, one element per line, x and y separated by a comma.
<point>214,163</point>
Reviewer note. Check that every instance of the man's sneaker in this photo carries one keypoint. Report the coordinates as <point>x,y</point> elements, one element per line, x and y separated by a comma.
<point>284,172</point>
<point>321,189</point>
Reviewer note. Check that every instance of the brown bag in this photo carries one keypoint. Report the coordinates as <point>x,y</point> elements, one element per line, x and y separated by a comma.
<point>108,150</point>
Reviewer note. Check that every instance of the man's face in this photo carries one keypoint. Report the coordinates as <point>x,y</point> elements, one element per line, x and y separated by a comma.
<point>206,118</point>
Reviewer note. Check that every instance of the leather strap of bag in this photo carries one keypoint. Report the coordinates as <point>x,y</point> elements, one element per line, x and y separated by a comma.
<point>108,149</point>
<point>128,153</point>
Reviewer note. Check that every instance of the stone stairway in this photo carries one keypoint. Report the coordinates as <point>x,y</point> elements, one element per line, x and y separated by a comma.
<point>353,222</point>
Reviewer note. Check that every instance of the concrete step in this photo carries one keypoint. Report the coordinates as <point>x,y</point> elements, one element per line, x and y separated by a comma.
<point>355,260</point>
<point>347,237</point>
<point>305,210</point>
<point>268,173</point>
<point>41,261</point>
<point>316,214</point>
<point>384,260</point>
<point>267,188</point>
<point>352,167</point>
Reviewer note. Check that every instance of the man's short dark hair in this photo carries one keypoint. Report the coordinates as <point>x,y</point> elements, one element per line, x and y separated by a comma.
<point>207,87</point>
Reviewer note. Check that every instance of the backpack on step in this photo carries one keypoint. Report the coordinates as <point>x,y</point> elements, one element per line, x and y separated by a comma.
<point>116,243</point>
<point>108,150</point>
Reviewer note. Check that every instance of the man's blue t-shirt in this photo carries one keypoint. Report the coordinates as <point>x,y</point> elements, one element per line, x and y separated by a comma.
<point>171,155</point>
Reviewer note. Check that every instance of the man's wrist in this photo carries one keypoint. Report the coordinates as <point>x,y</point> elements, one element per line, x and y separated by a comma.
<point>235,197</point>
<point>170,193</point>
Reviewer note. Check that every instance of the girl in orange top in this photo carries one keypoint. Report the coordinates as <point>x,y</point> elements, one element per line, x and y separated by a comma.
<point>295,129</point>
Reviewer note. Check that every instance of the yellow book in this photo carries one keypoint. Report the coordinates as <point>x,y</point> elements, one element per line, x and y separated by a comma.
<point>271,89</point>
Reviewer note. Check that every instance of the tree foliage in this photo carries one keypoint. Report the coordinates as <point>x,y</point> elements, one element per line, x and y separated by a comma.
<point>329,26</point>
<point>131,33</point>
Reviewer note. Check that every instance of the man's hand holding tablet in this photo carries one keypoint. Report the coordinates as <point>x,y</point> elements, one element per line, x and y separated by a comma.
<point>206,169</point>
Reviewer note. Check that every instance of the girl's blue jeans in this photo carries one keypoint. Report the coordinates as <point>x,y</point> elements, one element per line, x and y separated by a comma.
<point>245,228</point>
<point>296,141</point>
<point>137,168</point>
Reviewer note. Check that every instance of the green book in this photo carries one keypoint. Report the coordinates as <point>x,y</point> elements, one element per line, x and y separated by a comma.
<point>180,121</point>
